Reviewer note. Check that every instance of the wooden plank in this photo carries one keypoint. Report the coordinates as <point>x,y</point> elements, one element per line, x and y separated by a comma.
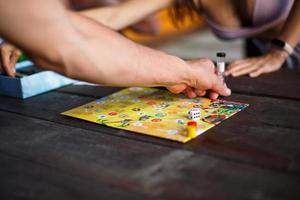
<point>46,160</point>
<point>94,91</point>
<point>269,111</point>
<point>261,135</point>
<point>200,178</point>
<point>24,179</point>
<point>284,84</point>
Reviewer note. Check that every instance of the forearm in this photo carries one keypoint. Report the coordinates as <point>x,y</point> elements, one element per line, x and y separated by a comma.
<point>127,13</point>
<point>106,57</point>
<point>291,30</point>
<point>83,49</point>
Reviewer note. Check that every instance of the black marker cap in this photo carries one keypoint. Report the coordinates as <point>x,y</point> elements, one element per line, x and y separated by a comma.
<point>221,54</point>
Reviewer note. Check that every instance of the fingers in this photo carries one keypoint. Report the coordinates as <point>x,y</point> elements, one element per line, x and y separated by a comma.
<point>204,79</point>
<point>176,89</point>
<point>246,70</point>
<point>200,93</point>
<point>264,70</point>
<point>13,60</point>
<point>5,61</point>
<point>219,87</point>
<point>235,66</point>
<point>9,57</point>
<point>213,95</point>
<point>270,62</point>
<point>1,70</point>
<point>189,92</point>
<point>257,72</point>
<point>243,67</point>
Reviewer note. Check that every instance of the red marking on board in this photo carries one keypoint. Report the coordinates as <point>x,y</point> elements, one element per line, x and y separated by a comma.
<point>112,113</point>
<point>156,120</point>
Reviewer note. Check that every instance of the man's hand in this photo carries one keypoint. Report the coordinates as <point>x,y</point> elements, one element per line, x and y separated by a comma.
<point>257,66</point>
<point>202,81</point>
<point>9,56</point>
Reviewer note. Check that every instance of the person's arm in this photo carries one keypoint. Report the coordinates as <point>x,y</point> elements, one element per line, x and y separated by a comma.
<point>126,13</point>
<point>116,16</point>
<point>274,59</point>
<point>75,46</point>
<point>291,30</point>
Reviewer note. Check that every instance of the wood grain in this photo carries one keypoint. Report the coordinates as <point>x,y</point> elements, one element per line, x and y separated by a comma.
<point>62,162</point>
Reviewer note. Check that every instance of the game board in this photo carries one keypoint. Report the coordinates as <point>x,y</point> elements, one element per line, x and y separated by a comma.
<point>155,112</point>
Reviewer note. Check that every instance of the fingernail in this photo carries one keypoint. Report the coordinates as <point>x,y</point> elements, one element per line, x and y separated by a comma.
<point>228,91</point>
<point>213,96</point>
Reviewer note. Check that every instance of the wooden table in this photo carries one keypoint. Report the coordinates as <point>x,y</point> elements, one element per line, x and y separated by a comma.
<point>253,155</point>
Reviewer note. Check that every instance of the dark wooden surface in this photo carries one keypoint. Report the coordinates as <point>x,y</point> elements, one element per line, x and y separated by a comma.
<point>253,155</point>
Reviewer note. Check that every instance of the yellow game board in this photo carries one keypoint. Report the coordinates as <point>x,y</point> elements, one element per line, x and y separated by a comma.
<point>155,112</point>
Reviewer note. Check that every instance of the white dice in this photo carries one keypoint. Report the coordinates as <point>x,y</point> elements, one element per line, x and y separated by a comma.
<point>194,114</point>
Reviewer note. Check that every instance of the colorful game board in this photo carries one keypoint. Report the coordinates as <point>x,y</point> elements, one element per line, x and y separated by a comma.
<point>155,112</point>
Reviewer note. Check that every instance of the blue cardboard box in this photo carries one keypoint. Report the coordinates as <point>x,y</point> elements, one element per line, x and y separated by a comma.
<point>33,83</point>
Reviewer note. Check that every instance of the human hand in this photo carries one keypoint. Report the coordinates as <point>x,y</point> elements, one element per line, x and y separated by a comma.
<point>9,56</point>
<point>270,62</point>
<point>202,80</point>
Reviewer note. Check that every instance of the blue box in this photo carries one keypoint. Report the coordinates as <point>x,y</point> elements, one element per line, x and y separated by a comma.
<point>33,84</point>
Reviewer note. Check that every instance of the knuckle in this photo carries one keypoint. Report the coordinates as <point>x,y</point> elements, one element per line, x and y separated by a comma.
<point>5,47</point>
<point>209,64</point>
<point>18,53</point>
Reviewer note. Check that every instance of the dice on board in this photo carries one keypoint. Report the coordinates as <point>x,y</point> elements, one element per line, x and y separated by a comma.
<point>194,114</point>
